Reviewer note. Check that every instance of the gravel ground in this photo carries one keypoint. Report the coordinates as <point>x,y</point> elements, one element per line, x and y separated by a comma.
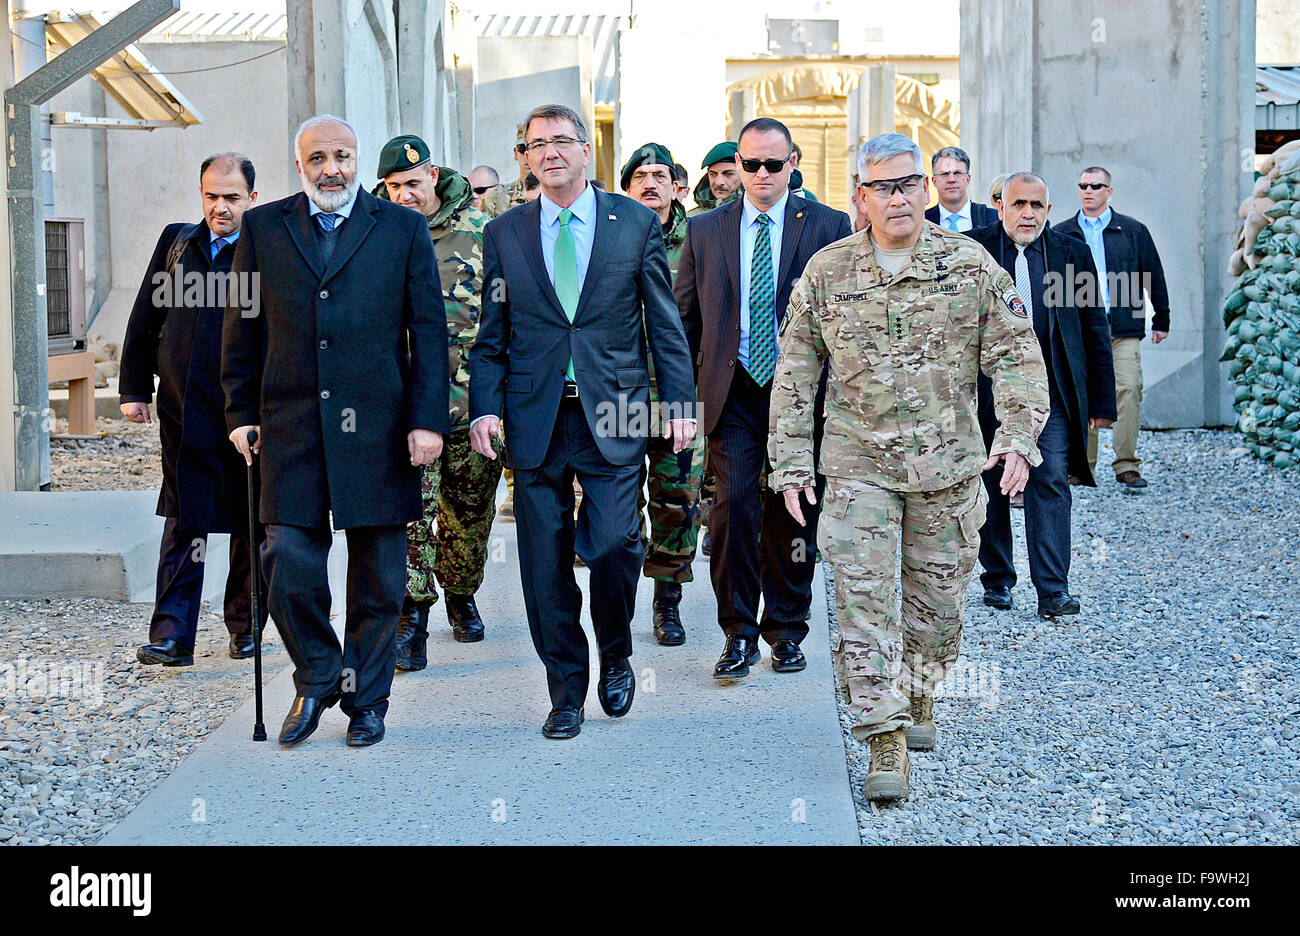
<point>127,458</point>
<point>86,731</point>
<point>1166,712</point>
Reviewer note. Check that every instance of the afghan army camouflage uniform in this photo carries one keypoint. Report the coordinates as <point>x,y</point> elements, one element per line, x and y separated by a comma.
<point>459,490</point>
<point>902,450</point>
<point>674,479</point>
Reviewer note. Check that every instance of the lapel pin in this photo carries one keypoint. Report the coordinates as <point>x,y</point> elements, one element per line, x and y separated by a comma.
<point>799,215</point>
<point>613,217</point>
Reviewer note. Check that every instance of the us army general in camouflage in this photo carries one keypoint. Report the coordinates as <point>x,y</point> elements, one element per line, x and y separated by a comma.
<point>902,450</point>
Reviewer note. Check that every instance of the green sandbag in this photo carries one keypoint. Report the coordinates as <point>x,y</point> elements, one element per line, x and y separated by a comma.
<point>1271,363</point>
<point>1295,208</point>
<point>1279,209</point>
<point>1249,277</point>
<point>1254,291</point>
<point>1248,331</point>
<point>1240,395</point>
<point>1288,400</point>
<point>1264,393</point>
<point>1284,460</point>
<point>1291,373</point>
<point>1236,369</point>
<point>1230,348</point>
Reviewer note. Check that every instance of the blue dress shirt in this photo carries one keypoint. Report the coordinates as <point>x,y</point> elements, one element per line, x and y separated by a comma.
<point>1092,228</point>
<point>748,232</point>
<point>343,213</point>
<point>582,226</point>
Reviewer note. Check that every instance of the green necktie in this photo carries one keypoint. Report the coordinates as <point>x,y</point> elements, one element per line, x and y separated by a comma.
<point>762,307</point>
<point>566,274</point>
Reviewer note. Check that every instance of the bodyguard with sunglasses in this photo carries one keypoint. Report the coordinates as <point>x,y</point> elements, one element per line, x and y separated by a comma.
<point>733,284</point>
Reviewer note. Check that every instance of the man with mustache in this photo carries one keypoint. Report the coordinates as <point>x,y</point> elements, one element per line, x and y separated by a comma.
<point>1075,341</point>
<point>347,387</point>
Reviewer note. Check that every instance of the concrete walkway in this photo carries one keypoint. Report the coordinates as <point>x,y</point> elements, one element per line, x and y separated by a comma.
<point>464,762</point>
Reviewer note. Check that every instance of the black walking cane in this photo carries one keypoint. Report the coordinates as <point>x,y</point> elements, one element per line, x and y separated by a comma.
<point>259,729</point>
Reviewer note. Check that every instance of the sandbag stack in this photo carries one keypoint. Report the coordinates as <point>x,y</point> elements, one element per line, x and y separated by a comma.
<point>1262,313</point>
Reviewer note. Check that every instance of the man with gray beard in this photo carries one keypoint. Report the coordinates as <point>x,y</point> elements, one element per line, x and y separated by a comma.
<point>346,385</point>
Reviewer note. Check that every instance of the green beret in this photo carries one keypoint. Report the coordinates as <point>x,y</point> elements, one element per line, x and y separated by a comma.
<point>723,152</point>
<point>401,153</point>
<point>648,154</point>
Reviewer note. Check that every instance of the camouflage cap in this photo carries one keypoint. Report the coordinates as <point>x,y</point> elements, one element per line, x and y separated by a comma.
<point>401,153</point>
<point>646,154</point>
<point>521,134</point>
<point>723,152</point>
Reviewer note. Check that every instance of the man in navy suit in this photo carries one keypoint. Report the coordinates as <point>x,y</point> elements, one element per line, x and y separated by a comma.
<point>950,167</point>
<point>738,265</point>
<point>575,284</point>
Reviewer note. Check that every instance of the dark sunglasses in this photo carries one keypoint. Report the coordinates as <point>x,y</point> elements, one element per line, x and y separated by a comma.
<point>1095,186</point>
<point>773,166</point>
<point>480,189</point>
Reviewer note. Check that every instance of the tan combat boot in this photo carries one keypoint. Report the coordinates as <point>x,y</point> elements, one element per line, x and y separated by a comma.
<point>920,737</point>
<point>887,778</point>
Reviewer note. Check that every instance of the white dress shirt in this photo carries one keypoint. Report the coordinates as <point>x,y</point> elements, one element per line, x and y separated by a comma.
<point>749,213</point>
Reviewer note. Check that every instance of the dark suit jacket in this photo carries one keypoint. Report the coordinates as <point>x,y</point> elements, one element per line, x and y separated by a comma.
<point>1085,373</point>
<point>524,342</point>
<point>980,216</point>
<point>708,285</point>
<point>179,339</point>
<point>339,362</point>
<point>1130,250</point>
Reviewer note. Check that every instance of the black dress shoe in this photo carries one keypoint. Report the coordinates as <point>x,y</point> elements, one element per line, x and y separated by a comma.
<point>616,687</point>
<point>738,656</point>
<point>241,646</point>
<point>564,723</point>
<point>365,726</point>
<point>413,635</point>
<point>668,623</point>
<point>462,615</point>
<point>787,657</point>
<point>998,597</point>
<point>1057,605</point>
<point>167,652</point>
<point>304,715</point>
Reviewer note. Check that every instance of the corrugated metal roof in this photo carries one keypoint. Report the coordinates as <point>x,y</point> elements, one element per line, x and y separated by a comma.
<point>1277,97</point>
<point>207,27</point>
<point>603,31</point>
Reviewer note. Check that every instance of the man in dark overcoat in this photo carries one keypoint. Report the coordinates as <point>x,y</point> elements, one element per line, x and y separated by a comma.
<point>340,364</point>
<point>175,332</point>
<point>1055,282</point>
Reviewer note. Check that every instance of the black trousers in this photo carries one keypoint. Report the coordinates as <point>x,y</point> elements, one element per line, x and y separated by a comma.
<point>179,594</point>
<point>1047,518</point>
<point>757,546</point>
<point>607,536</point>
<point>296,563</point>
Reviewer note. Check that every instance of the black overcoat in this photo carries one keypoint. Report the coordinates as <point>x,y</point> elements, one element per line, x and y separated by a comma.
<point>1085,373</point>
<point>175,332</point>
<point>337,362</point>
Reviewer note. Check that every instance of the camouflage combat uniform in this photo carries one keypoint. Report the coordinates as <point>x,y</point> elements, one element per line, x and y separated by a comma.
<point>459,490</point>
<point>902,450</point>
<point>502,198</point>
<point>674,479</point>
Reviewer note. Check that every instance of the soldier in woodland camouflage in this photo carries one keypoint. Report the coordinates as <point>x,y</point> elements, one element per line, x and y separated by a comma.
<point>672,479</point>
<point>449,543</point>
<point>907,314</point>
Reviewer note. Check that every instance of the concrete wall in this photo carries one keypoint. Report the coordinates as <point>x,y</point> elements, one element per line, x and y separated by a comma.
<point>1277,32</point>
<point>666,105</point>
<point>153,176</point>
<point>515,74</point>
<point>8,468</point>
<point>1157,91</point>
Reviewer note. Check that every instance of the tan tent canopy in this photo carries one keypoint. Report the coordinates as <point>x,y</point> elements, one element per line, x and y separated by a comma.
<point>811,99</point>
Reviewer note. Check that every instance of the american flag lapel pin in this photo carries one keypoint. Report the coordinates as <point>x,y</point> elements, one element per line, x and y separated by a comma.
<point>613,217</point>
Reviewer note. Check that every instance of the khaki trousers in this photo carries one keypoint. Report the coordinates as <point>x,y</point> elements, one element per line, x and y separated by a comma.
<point>1128,397</point>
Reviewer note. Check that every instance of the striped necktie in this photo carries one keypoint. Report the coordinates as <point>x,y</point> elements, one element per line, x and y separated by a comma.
<point>1022,279</point>
<point>327,221</point>
<point>762,307</point>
